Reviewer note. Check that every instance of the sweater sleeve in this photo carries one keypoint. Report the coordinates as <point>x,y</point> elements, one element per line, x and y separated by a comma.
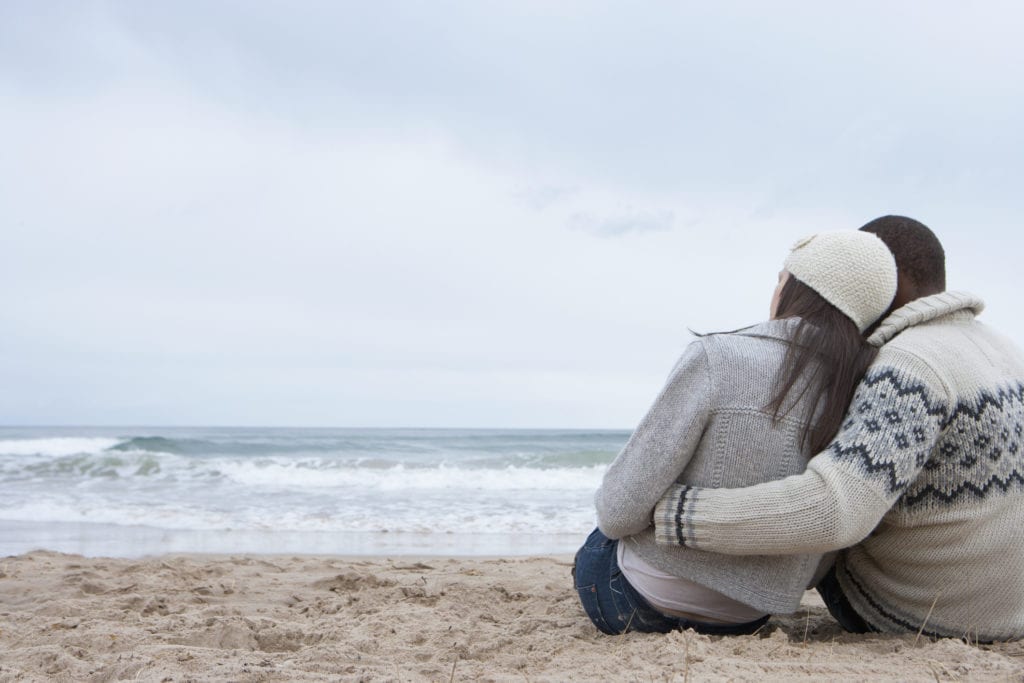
<point>658,450</point>
<point>894,421</point>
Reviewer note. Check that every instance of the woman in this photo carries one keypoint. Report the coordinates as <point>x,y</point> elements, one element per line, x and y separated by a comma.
<point>785,385</point>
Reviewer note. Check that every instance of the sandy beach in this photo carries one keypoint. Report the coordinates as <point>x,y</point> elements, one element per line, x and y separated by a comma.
<point>312,618</point>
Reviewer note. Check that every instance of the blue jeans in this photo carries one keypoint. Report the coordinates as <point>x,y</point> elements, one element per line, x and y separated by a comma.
<point>615,607</point>
<point>839,606</point>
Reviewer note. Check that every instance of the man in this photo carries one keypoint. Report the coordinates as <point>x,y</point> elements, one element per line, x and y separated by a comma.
<point>923,485</point>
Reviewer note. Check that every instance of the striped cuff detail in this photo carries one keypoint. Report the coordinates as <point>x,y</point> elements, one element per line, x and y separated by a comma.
<point>671,516</point>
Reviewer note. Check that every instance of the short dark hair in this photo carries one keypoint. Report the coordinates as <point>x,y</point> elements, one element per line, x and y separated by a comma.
<point>919,254</point>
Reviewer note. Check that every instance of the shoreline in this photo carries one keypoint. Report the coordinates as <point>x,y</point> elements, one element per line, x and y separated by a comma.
<point>287,617</point>
<point>134,541</point>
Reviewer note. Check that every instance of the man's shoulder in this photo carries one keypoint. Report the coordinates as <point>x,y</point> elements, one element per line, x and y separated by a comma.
<point>961,355</point>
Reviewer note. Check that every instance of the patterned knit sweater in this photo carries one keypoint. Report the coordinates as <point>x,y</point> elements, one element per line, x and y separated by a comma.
<point>926,477</point>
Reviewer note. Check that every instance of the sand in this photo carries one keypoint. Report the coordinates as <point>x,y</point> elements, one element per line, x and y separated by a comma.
<point>309,618</point>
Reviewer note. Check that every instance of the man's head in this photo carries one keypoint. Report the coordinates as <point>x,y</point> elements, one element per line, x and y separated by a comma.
<point>920,259</point>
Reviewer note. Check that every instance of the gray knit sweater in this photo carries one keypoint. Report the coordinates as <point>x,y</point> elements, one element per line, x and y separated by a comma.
<point>926,477</point>
<point>698,430</point>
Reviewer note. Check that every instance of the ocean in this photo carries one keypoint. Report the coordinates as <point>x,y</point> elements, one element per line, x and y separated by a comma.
<point>128,492</point>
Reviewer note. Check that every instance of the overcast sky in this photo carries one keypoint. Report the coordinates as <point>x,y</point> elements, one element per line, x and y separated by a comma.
<point>465,214</point>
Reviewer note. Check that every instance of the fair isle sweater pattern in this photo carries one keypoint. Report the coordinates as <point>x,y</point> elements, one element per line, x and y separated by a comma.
<point>890,402</point>
<point>983,453</point>
<point>979,452</point>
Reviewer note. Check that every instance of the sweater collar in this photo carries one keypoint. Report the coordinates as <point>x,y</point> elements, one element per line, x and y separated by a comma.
<point>925,309</point>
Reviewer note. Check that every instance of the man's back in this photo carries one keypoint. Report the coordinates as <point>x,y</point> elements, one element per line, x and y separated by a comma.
<point>925,476</point>
<point>951,549</point>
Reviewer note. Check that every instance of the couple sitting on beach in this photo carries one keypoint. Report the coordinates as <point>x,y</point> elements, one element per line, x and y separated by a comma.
<point>909,517</point>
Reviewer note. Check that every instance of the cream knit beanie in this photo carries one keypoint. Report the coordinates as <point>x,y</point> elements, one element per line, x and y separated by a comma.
<point>854,271</point>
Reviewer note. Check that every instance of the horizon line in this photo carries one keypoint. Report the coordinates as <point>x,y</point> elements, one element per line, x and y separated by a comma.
<point>367,428</point>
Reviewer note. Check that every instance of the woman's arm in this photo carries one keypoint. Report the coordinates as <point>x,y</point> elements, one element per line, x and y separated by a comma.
<point>659,448</point>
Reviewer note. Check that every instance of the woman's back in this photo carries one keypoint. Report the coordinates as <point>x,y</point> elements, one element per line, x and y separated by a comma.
<point>713,407</point>
<point>740,408</point>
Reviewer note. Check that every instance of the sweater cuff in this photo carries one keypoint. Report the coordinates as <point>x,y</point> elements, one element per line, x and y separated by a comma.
<point>671,514</point>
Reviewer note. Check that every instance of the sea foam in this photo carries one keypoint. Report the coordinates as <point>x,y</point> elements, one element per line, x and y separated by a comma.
<point>411,484</point>
<point>56,446</point>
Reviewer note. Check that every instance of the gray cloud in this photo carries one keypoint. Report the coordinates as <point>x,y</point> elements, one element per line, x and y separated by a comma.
<point>540,197</point>
<point>680,102</point>
<point>215,210</point>
<point>624,223</point>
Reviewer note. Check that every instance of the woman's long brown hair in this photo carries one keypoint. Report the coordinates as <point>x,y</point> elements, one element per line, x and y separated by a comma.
<point>827,357</point>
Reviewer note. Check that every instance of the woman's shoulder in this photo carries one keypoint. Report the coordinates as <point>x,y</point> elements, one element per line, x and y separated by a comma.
<point>750,351</point>
<point>742,364</point>
<point>771,335</point>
